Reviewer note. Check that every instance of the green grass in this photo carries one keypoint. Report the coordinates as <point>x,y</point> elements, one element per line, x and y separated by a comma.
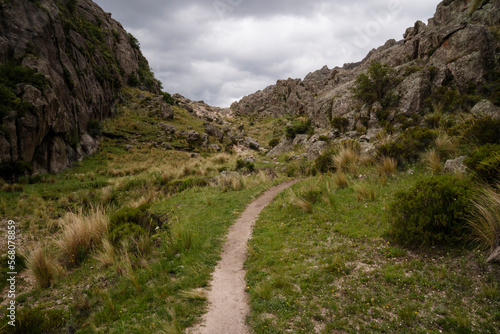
<point>331,269</point>
<point>143,283</point>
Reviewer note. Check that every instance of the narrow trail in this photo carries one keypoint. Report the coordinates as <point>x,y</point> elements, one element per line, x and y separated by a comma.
<point>227,298</point>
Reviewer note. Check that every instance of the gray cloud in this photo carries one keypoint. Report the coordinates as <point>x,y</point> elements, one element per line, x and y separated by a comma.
<point>221,50</point>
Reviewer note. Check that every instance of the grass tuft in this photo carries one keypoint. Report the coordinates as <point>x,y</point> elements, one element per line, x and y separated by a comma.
<point>387,166</point>
<point>340,179</point>
<point>485,221</point>
<point>43,268</point>
<point>81,233</point>
<point>432,159</point>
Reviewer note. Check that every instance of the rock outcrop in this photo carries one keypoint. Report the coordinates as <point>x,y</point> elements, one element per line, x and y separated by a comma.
<point>74,58</point>
<point>457,49</point>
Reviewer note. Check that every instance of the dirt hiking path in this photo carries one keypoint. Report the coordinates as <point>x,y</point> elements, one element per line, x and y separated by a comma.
<point>227,298</point>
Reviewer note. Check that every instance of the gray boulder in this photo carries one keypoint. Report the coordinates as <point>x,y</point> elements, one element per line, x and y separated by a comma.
<point>168,128</point>
<point>455,165</point>
<point>193,137</point>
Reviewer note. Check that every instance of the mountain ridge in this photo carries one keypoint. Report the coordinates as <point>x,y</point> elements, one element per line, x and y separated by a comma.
<point>458,48</point>
<point>85,57</point>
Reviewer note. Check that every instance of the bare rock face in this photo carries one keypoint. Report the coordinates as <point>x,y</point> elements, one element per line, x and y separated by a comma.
<point>456,48</point>
<point>77,58</point>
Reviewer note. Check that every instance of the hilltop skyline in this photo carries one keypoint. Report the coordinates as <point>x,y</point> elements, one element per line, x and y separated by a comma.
<point>220,51</point>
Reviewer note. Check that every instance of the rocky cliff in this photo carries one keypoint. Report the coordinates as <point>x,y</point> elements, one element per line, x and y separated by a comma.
<point>62,64</point>
<point>452,62</point>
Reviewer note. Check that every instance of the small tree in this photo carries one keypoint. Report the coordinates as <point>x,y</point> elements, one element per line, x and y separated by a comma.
<point>377,85</point>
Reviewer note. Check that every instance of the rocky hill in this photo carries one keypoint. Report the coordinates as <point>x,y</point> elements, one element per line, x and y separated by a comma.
<point>62,65</point>
<point>451,63</point>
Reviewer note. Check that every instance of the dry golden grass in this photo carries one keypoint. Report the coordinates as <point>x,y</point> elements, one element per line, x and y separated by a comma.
<point>364,192</point>
<point>80,233</point>
<point>340,179</point>
<point>485,221</point>
<point>41,266</point>
<point>387,166</point>
<point>233,181</point>
<point>300,202</point>
<point>432,159</point>
<point>347,157</point>
<point>446,144</point>
<point>107,256</point>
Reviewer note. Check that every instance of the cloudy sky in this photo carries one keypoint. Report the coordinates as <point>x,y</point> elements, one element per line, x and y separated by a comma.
<point>221,50</point>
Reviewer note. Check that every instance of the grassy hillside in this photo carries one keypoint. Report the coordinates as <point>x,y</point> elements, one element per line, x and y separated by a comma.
<point>126,240</point>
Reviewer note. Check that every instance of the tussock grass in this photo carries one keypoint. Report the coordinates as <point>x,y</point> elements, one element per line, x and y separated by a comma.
<point>80,233</point>
<point>446,144</point>
<point>107,256</point>
<point>42,266</point>
<point>346,159</point>
<point>232,182</point>
<point>485,221</point>
<point>432,159</point>
<point>340,179</point>
<point>364,192</point>
<point>300,202</point>
<point>387,166</point>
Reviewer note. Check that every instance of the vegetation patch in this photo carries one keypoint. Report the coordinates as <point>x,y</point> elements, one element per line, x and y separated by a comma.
<point>433,212</point>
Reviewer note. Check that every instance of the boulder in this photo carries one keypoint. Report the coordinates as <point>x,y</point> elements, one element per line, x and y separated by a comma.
<point>316,149</point>
<point>193,137</point>
<point>486,108</point>
<point>168,128</point>
<point>455,165</point>
<point>251,143</point>
<point>214,148</point>
<point>214,131</point>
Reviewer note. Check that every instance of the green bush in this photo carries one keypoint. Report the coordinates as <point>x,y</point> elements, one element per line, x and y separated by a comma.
<point>12,74</point>
<point>408,146</point>
<point>323,164</point>
<point>37,320</point>
<point>377,85</point>
<point>14,170</point>
<point>340,123</point>
<point>433,212</point>
<point>129,222</point>
<point>485,163</point>
<point>483,131</point>
<point>274,142</point>
<point>181,185</point>
<point>298,127</point>
<point>168,98</point>
<point>241,164</point>
<point>94,128</point>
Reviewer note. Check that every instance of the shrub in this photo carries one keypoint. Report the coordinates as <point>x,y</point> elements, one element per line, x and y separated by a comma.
<point>340,123</point>
<point>94,128</point>
<point>11,171</point>
<point>324,163</point>
<point>483,131</point>
<point>274,142</point>
<point>485,162</point>
<point>242,164</point>
<point>408,145</point>
<point>129,222</point>
<point>168,98</point>
<point>432,212</point>
<point>298,127</point>
<point>377,85</point>
<point>38,320</point>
